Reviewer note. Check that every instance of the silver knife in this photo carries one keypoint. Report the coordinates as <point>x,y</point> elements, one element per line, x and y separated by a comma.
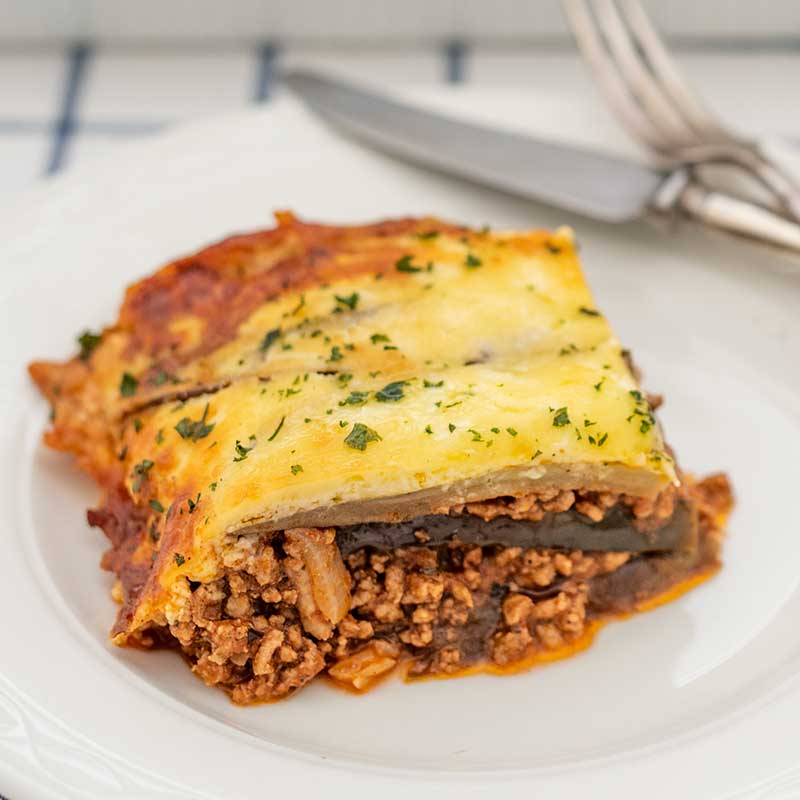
<point>593,184</point>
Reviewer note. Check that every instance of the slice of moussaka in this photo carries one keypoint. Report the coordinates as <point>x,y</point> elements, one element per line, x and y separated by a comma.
<point>336,450</point>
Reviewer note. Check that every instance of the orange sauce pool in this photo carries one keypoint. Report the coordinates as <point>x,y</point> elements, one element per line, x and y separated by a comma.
<point>539,657</point>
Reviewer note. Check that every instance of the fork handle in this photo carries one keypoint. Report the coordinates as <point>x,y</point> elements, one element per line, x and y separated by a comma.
<point>736,216</point>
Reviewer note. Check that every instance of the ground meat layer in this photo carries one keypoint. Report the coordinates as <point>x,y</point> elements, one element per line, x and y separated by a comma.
<point>288,607</point>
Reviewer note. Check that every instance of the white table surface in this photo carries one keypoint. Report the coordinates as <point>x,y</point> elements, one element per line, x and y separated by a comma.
<point>60,106</point>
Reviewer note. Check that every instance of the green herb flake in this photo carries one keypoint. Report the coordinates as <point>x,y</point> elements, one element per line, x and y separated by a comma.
<point>296,469</point>
<point>194,430</point>
<point>431,385</point>
<point>137,424</point>
<point>123,453</point>
<point>156,506</point>
<point>179,559</point>
<point>336,353</point>
<point>355,399</point>
<point>428,429</point>
<point>269,339</point>
<point>472,261</point>
<point>561,418</point>
<point>241,450</point>
<point>599,385</point>
<point>536,455</point>
<point>391,393</point>
<point>276,431</point>
<point>427,235</point>
<point>128,385</point>
<point>361,436</point>
<point>88,341</point>
<point>404,265</point>
<point>495,430</point>
<point>351,300</point>
<point>511,431</point>
<point>451,427</point>
<point>379,337</point>
<point>476,436</point>
<point>213,486</point>
<point>589,312</point>
<point>140,472</point>
<point>299,306</point>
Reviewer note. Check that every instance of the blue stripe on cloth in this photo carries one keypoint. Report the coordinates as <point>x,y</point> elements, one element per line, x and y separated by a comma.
<point>265,74</point>
<point>455,57</point>
<point>77,63</point>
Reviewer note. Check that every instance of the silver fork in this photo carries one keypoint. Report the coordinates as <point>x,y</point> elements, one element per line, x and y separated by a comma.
<point>645,89</point>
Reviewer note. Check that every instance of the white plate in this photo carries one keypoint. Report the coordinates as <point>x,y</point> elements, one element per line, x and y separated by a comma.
<point>699,698</point>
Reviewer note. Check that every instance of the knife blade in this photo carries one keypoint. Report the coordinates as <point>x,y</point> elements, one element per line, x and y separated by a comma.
<point>599,186</point>
<point>596,185</point>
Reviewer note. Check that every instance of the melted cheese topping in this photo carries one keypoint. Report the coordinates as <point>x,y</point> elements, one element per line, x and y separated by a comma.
<point>469,358</point>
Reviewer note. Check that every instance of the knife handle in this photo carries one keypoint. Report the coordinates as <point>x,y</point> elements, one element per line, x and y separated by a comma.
<point>736,216</point>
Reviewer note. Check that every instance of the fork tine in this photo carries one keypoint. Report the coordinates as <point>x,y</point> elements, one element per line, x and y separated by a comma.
<point>641,82</point>
<point>668,75</point>
<point>607,76</point>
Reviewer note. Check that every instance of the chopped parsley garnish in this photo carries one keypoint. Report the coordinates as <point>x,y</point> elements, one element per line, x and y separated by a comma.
<point>299,306</point>
<point>139,473</point>
<point>572,348</point>
<point>179,559</point>
<point>344,378</point>
<point>555,250</point>
<point>213,486</point>
<point>156,506</point>
<point>590,312</point>
<point>123,453</point>
<point>431,385</point>
<point>296,468</point>
<point>536,455</point>
<point>241,450</point>
<point>643,411</point>
<point>336,353</point>
<point>472,261</point>
<point>561,418</point>
<point>599,385</point>
<point>276,431</point>
<point>428,235</point>
<point>162,376</point>
<point>404,265</point>
<point>391,393</point>
<point>451,427</point>
<point>137,424</point>
<point>361,436</point>
<point>389,347</point>
<point>269,339</point>
<point>355,399</point>
<point>511,432</point>
<point>351,301</point>
<point>476,436</point>
<point>195,429</point>
<point>428,429</point>
<point>379,337</point>
<point>88,341</point>
<point>128,385</point>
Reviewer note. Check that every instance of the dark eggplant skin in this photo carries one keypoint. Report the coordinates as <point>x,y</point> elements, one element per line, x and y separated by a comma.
<point>566,530</point>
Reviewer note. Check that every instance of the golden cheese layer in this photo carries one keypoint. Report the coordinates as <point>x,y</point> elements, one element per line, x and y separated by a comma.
<point>408,360</point>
